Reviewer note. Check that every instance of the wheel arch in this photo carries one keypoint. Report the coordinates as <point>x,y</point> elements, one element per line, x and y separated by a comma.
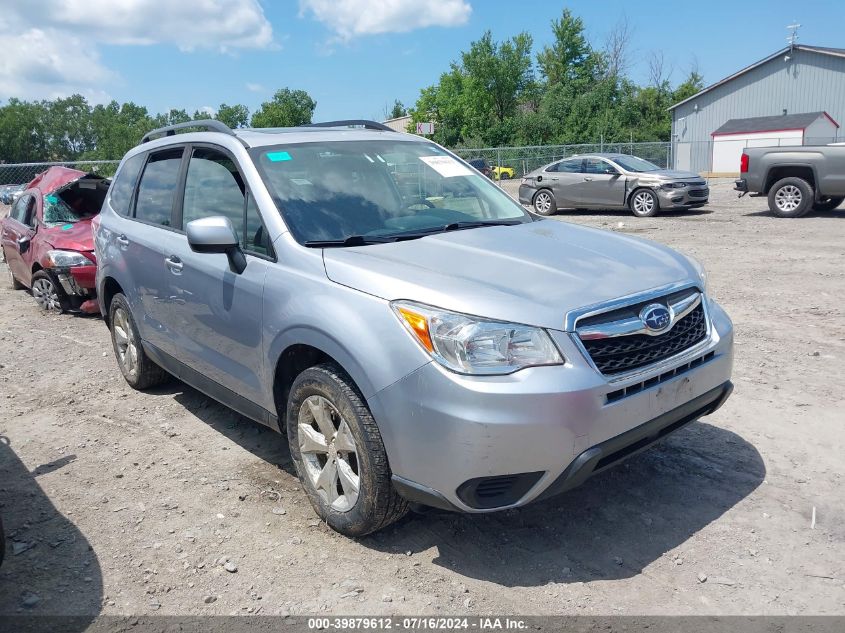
<point>108,289</point>
<point>778,172</point>
<point>299,349</point>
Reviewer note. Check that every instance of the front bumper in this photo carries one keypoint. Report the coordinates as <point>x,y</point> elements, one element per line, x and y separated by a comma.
<point>686,198</point>
<point>526,194</point>
<point>477,444</point>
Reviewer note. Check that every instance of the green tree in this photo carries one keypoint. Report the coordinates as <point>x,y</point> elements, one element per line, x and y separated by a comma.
<point>496,74</point>
<point>67,124</point>
<point>23,135</point>
<point>234,116</point>
<point>567,58</point>
<point>395,111</point>
<point>288,108</point>
<point>118,128</point>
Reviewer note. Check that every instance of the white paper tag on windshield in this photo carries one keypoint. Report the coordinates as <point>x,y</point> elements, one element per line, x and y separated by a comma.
<point>446,166</point>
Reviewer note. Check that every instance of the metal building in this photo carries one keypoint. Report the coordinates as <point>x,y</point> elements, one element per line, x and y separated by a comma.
<point>798,79</point>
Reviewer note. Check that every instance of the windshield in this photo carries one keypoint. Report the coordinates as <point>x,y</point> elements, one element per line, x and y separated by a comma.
<point>633,163</point>
<point>57,211</point>
<point>331,191</point>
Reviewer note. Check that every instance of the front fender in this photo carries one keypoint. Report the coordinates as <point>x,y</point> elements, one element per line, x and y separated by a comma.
<point>359,331</point>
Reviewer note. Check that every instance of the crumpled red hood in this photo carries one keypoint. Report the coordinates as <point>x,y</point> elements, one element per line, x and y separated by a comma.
<point>54,178</point>
<point>73,237</point>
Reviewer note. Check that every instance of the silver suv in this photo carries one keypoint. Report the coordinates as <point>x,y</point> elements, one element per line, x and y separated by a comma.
<point>420,338</point>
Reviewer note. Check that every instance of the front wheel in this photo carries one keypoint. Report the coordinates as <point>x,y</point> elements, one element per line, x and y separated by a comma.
<point>47,293</point>
<point>790,197</point>
<point>644,203</point>
<point>544,203</point>
<point>339,455</point>
<point>829,203</point>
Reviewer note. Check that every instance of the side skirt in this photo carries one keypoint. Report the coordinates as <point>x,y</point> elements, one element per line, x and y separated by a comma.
<point>212,389</point>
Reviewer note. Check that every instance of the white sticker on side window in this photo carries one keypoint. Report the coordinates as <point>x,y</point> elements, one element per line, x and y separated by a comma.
<point>446,166</point>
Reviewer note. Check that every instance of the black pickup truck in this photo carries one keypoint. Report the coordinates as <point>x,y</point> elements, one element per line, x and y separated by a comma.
<point>795,179</point>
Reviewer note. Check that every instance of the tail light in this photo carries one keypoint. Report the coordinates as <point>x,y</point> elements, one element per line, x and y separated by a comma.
<point>743,163</point>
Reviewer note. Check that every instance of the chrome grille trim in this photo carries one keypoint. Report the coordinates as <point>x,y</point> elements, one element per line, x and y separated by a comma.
<point>642,373</point>
<point>635,325</point>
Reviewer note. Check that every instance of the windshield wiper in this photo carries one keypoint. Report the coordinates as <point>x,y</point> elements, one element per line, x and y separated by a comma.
<point>351,240</point>
<point>457,226</point>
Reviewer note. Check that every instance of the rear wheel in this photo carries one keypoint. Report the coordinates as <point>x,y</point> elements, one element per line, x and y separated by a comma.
<point>47,293</point>
<point>790,197</point>
<point>544,203</point>
<point>829,203</point>
<point>339,454</point>
<point>504,176</point>
<point>137,368</point>
<point>644,203</point>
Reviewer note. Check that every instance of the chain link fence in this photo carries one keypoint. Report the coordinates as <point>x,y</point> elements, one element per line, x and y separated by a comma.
<point>515,162</point>
<point>22,173</point>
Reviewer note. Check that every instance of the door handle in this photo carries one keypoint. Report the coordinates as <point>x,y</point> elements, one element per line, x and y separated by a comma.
<point>588,178</point>
<point>122,241</point>
<point>174,264</point>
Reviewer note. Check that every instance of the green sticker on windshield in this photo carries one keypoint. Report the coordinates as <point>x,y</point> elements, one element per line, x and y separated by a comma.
<point>275,157</point>
<point>67,227</point>
<point>52,199</point>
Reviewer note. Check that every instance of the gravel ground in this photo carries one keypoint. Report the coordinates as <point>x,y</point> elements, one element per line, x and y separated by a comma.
<point>119,502</point>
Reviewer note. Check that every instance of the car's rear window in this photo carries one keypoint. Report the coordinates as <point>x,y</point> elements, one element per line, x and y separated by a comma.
<point>333,190</point>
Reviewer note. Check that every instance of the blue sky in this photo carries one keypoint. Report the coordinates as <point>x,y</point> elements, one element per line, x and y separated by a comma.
<point>347,53</point>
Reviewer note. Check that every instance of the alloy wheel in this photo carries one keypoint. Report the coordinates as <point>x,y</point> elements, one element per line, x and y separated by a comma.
<point>643,203</point>
<point>788,198</point>
<point>329,453</point>
<point>543,202</point>
<point>45,294</point>
<point>125,343</point>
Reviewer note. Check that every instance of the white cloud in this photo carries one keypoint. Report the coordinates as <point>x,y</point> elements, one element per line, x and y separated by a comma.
<point>51,46</point>
<point>255,87</point>
<point>46,64</point>
<point>212,24</point>
<point>352,18</point>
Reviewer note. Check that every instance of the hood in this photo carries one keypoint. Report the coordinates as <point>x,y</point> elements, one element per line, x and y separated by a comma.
<point>531,273</point>
<point>71,237</point>
<point>668,174</point>
<point>54,179</point>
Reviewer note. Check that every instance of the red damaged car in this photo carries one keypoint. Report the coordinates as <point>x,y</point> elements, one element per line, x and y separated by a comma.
<point>47,240</point>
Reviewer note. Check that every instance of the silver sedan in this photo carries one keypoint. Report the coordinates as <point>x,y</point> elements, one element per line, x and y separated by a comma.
<point>611,181</point>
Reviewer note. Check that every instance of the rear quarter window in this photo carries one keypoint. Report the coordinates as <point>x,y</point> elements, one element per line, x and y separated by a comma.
<point>124,184</point>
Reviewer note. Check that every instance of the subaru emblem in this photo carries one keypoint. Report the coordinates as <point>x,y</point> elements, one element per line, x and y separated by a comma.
<point>656,317</point>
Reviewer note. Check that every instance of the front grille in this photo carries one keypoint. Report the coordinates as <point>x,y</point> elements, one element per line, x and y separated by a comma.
<point>698,193</point>
<point>626,353</point>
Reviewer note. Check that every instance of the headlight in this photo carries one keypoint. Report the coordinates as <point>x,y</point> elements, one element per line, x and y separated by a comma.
<point>673,185</point>
<point>473,345</point>
<point>66,259</point>
<point>702,273</point>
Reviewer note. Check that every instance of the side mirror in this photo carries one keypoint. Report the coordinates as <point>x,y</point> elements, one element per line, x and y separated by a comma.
<point>23,244</point>
<point>216,235</point>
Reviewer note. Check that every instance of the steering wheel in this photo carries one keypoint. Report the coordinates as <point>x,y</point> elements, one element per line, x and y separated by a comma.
<point>417,201</point>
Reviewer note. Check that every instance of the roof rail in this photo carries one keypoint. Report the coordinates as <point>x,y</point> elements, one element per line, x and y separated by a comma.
<point>369,125</point>
<point>209,125</point>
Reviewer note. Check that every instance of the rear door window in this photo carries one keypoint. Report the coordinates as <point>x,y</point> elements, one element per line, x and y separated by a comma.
<point>124,184</point>
<point>157,189</point>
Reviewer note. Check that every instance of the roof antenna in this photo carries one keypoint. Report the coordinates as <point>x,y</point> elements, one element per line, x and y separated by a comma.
<point>791,39</point>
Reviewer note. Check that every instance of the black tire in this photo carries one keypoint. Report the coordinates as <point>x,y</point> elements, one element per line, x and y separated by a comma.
<point>828,204</point>
<point>377,504</point>
<point>139,371</point>
<point>504,176</point>
<point>544,203</point>
<point>2,541</point>
<point>791,197</point>
<point>48,293</point>
<point>643,203</point>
